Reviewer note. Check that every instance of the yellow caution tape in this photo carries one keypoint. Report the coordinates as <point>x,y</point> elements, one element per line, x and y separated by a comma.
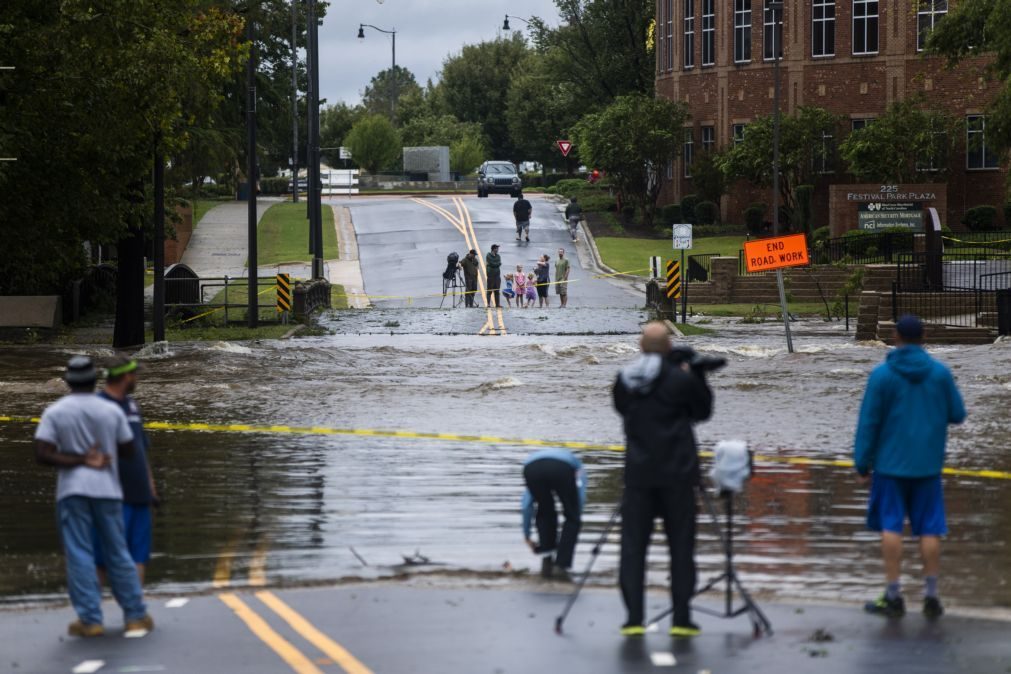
<point>975,243</point>
<point>237,306</point>
<point>483,439</point>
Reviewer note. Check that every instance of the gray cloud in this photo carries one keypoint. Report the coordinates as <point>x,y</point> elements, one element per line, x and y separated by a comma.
<point>427,32</point>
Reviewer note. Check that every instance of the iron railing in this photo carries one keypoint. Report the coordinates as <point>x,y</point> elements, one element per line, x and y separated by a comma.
<point>700,267</point>
<point>877,248</point>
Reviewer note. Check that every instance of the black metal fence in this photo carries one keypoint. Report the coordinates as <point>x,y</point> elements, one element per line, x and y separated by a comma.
<point>742,267</point>
<point>978,243</point>
<point>700,267</point>
<point>953,289</point>
<point>870,248</point>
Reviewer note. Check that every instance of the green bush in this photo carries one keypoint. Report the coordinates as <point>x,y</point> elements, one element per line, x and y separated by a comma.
<point>859,241</point>
<point>551,190</point>
<point>754,218</point>
<point>706,212</point>
<point>670,214</point>
<point>802,214</point>
<point>570,186</point>
<point>628,212</point>
<point>821,234</point>
<point>274,186</point>
<point>980,219</point>
<point>598,202</point>
<point>703,231</point>
<point>688,203</point>
<point>1007,215</point>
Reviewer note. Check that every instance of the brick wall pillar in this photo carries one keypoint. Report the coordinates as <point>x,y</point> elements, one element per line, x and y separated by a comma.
<point>724,276</point>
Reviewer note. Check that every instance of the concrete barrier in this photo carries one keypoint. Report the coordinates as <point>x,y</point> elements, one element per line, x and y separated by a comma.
<point>30,311</point>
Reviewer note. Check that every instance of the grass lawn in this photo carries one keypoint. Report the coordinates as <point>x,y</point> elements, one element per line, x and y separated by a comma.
<point>690,330</point>
<point>235,332</point>
<point>201,206</point>
<point>772,310</point>
<point>283,235</point>
<point>337,298</point>
<point>631,255</point>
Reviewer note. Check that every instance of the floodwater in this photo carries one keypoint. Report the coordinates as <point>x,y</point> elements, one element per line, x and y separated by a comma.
<point>288,509</point>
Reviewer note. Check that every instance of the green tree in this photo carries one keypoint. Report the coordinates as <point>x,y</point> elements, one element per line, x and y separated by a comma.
<point>383,93</point>
<point>907,144</point>
<point>466,154</point>
<point>708,178</point>
<point>972,29</point>
<point>633,139</point>
<point>432,129</point>
<point>335,123</point>
<point>374,143</point>
<point>474,84</point>
<point>805,144</point>
<point>541,110</point>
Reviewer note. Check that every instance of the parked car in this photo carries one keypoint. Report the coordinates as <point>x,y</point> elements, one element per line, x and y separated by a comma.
<point>498,177</point>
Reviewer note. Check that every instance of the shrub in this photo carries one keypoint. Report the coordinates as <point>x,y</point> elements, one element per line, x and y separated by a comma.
<point>553,179</point>
<point>570,186</point>
<point>706,212</point>
<point>628,212</point>
<point>274,186</point>
<point>821,234</point>
<point>599,201</point>
<point>1007,215</point>
<point>754,218</point>
<point>703,231</point>
<point>859,241</point>
<point>688,203</point>
<point>670,214</point>
<point>802,195</point>
<point>980,218</point>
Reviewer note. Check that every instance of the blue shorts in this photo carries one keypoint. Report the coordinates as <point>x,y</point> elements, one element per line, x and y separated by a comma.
<point>893,499</point>
<point>136,530</point>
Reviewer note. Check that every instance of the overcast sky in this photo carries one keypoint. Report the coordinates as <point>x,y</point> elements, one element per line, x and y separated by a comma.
<point>427,32</point>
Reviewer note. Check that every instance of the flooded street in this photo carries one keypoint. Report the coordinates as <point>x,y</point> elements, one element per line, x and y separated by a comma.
<point>250,508</point>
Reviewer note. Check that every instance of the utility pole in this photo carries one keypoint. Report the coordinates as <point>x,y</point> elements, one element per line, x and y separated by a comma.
<point>158,320</point>
<point>252,308</point>
<point>315,205</point>
<point>777,29</point>
<point>294,102</point>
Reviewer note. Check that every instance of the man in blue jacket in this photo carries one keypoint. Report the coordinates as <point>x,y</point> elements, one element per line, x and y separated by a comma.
<point>549,473</point>
<point>909,402</point>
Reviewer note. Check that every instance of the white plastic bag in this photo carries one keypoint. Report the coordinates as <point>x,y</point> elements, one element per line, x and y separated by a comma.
<point>731,465</point>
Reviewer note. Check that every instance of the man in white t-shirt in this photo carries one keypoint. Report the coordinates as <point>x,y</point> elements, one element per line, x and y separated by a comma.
<point>82,435</point>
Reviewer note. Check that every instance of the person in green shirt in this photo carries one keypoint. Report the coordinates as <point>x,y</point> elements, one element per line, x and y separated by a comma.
<point>493,264</point>
<point>471,267</point>
<point>562,277</point>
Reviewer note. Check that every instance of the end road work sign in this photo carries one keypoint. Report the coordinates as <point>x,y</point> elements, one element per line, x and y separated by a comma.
<point>776,253</point>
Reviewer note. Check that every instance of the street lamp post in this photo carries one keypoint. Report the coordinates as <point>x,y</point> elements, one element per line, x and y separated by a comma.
<point>315,187</point>
<point>777,18</point>
<point>393,72</point>
<point>505,24</point>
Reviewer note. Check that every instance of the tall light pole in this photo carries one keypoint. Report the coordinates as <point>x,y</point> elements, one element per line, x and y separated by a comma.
<point>393,72</point>
<point>253,299</point>
<point>777,27</point>
<point>505,24</point>
<point>315,187</point>
<point>294,101</point>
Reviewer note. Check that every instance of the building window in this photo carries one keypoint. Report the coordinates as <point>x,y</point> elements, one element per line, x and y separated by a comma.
<point>670,35</point>
<point>857,124</point>
<point>772,36</point>
<point>937,157</point>
<point>978,155</point>
<point>930,12</point>
<point>742,31</point>
<point>824,161</point>
<point>708,32</point>
<point>823,28</point>
<point>738,133</point>
<point>865,27</point>
<point>689,153</point>
<point>670,169</point>
<point>689,41</point>
<point>665,28</point>
<point>708,138</point>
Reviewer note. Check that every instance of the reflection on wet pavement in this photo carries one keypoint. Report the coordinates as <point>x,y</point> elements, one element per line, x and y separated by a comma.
<point>298,505</point>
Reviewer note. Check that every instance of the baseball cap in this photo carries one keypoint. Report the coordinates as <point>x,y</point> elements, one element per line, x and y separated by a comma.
<point>909,327</point>
<point>80,370</point>
<point>494,246</point>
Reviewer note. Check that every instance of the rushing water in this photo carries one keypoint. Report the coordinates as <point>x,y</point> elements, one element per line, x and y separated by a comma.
<point>322,508</point>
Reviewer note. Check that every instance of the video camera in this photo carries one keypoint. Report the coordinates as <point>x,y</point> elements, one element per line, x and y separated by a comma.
<point>699,364</point>
<point>452,260</point>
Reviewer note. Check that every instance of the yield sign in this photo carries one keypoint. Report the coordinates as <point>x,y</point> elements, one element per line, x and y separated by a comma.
<point>565,146</point>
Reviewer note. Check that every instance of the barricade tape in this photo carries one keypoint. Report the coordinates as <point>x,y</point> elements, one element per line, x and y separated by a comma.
<point>483,439</point>
<point>237,306</point>
<point>975,243</point>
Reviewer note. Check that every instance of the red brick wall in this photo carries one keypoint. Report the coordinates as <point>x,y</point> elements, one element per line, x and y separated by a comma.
<point>851,86</point>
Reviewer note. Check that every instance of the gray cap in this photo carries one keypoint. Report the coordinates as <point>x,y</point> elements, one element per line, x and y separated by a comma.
<point>81,370</point>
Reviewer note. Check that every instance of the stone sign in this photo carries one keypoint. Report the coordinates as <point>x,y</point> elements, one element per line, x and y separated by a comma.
<point>881,206</point>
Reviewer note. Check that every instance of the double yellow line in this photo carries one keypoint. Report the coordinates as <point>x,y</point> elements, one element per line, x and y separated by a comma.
<point>465,225</point>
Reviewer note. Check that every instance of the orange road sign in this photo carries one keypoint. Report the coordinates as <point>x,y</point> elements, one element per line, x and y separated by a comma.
<point>776,253</point>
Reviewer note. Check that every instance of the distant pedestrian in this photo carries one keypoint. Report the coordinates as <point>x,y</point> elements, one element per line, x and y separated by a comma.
<point>551,473</point>
<point>135,477</point>
<point>562,278</point>
<point>471,267</point>
<point>83,435</point>
<point>508,292</point>
<point>493,268</point>
<point>531,293</point>
<point>573,214</point>
<point>522,209</point>
<point>543,271</point>
<point>900,445</point>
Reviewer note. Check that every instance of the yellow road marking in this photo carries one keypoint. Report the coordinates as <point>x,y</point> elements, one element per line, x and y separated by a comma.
<point>308,631</point>
<point>294,658</point>
<point>223,567</point>
<point>489,439</point>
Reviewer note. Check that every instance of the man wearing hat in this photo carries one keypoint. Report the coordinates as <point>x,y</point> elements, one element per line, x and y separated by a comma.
<point>139,492</point>
<point>899,449</point>
<point>83,436</point>
<point>471,267</point>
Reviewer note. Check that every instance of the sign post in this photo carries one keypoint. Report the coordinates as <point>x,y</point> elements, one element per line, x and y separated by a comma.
<point>683,242</point>
<point>776,254</point>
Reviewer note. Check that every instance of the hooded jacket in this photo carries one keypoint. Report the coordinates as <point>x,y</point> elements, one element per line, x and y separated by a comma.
<point>909,402</point>
<point>493,262</point>
<point>659,403</point>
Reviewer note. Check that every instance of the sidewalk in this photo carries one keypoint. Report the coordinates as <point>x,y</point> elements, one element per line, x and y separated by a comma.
<point>450,629</point>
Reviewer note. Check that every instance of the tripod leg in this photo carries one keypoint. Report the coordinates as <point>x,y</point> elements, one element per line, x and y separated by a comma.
<point>586,574</point>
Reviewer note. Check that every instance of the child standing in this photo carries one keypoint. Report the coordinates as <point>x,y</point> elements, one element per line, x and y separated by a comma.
<point>520,285</point>
<point>531,293</point>
<point>508,291</point>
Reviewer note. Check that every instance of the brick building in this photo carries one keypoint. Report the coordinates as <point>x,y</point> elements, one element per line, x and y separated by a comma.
<point>851,57</point>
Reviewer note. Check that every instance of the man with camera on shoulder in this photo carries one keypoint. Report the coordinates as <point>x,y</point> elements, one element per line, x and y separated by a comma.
<point>660,396</point>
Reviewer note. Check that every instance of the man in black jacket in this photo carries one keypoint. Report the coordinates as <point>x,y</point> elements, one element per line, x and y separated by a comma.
<point>659,400</point>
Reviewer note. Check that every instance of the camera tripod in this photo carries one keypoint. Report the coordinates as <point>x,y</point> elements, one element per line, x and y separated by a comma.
<point>732,581</point>
<point>455,287</point>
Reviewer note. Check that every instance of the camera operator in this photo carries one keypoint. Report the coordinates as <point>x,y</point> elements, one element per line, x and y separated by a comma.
<point>660,395</point>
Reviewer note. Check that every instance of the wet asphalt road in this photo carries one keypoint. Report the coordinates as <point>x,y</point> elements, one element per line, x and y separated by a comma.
<point>454,630</point>
<point>403,247</point>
